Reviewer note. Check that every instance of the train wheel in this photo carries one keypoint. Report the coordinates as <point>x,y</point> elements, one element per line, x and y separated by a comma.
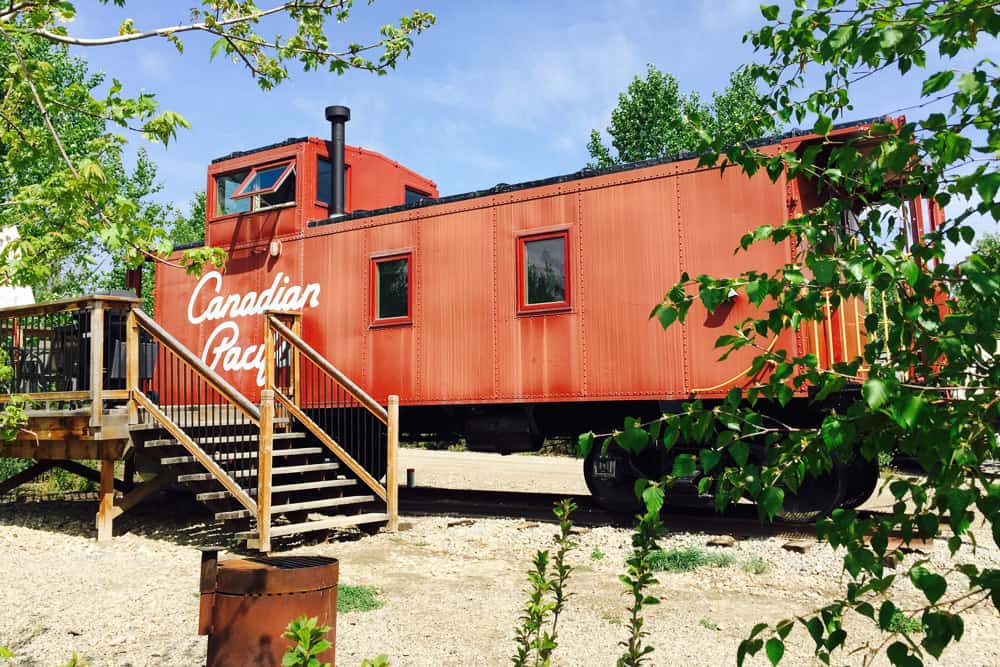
<point>611,478</point>
<point>861,478</point>
<point>816,496</point>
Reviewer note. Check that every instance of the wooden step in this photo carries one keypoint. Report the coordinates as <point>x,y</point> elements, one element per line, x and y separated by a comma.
<point>298,507</point>
<point>224,439</point>
<point>310,526</point>
<point>300,451</point>
<point>152,425</point>
<point>284,470</point>
<point>282,488</point>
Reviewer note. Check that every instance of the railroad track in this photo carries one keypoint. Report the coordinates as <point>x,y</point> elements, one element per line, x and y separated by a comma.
<point>686,514</point>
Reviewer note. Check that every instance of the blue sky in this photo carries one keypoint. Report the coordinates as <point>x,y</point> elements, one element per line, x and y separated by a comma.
<point>494,92</point>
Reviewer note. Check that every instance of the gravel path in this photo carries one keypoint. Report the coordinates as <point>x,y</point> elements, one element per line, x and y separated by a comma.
<point>452,593</point>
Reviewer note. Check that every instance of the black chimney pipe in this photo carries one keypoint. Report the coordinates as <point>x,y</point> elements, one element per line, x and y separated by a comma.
<point>337,116</point>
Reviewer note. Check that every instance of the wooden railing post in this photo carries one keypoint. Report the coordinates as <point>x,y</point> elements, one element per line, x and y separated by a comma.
<point>269,359</point>
<point>132,365</point>
<point>296,383</point>
<point>265,454</point>
<point>392,465</point>
<point>96,364</point>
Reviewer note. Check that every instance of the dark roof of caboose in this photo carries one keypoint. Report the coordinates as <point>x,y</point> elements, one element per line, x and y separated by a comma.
<point>260,149</point>
<point>586,172</point>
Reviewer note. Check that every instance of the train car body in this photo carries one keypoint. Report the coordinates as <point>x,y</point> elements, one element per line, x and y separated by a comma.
<point>505,315</point>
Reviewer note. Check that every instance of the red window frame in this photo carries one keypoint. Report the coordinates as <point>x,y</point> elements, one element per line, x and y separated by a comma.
<point>377,321</point>
<point>239,194</point>
<point>522,279</point>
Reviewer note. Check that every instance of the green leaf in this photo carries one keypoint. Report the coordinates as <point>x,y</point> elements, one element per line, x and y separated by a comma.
<point>874,392</point>
<point>652,497</point>
<point>775,649</point>
<point>936,82</point>
<point>684,466</point>
<point>987,185</point>
<point>740,451</point>
<point>667,315</point>
<point>823,126</point>
<point>709,459</point>
<point>772,501</point>
<point>769,12</point>
<point>584,444</point>
<point>932,585</point>
<point>911,272</point>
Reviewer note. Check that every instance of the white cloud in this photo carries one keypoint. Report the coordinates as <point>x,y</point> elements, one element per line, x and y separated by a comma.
<point>558,90</point>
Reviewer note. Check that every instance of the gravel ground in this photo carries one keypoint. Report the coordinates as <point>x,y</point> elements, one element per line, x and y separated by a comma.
<point>451,592</point>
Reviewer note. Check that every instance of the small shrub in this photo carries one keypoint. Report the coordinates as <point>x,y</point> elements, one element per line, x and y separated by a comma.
<point>537,635</point>
<point>756,565</point>
<point>310,641</point>
<point>902,623</point>
<point>686,559</point>
<point>357,598</point>
<point>378,661</point>
<point>6,653</point>
<point>708,624</point>
<point>596,554</point>
<point>10,467</point>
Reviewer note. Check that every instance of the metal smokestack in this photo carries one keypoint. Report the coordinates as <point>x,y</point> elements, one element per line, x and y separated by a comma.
<point>338,116</point>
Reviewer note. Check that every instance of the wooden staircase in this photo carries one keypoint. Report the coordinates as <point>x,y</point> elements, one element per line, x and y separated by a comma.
<point>320,457</point>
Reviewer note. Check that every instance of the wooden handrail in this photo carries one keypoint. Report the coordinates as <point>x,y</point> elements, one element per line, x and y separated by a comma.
<point>108,301</point>
<point>199,366</point>
<point>354,390</point>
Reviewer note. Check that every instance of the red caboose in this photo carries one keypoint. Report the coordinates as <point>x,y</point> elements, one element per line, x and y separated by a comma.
<point>505,315</point>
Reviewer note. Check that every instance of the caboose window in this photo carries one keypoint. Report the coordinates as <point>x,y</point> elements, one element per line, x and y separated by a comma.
<point>255,189</point>
<point>225,186</point>
<point>411,196</point>
<point>391,289</point>
<point>543,271</point>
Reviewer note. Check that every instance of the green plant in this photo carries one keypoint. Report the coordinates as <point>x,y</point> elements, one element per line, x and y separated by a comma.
<point>903,624</point>
<point>596,554</point>
<point>6,653</point>
<point>381,660</point>
<point>638,578</point>
<point>536,637</point>
<point>357,598</point>
<point>77,661</point>
<point>309,641</point>
<point>756,565</point>
<point>686,559</point>
<point>708,624</point>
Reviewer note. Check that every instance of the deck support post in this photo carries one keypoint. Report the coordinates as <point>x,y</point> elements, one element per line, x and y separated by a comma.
<point>105,512</point>
<point>264,457</point>
<point>392,465</point>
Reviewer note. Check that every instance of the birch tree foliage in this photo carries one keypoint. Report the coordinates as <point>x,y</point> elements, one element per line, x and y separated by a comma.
<point>75,202</point>
<point>927,384</point>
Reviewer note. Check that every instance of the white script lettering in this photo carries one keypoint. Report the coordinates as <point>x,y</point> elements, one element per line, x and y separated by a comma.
<point>223,344</point>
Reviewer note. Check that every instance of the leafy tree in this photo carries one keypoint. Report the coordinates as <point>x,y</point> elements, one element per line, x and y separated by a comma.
<point>655,119</point>
<point>61,136</point>
<point>62,133</point>
<point>935,396</point>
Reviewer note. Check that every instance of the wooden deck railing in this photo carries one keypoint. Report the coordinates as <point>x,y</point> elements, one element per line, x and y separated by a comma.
<point>361,433</point>
<point>66,351</point>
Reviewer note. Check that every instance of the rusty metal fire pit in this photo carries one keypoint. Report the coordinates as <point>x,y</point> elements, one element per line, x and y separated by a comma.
<point>246,603</point>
